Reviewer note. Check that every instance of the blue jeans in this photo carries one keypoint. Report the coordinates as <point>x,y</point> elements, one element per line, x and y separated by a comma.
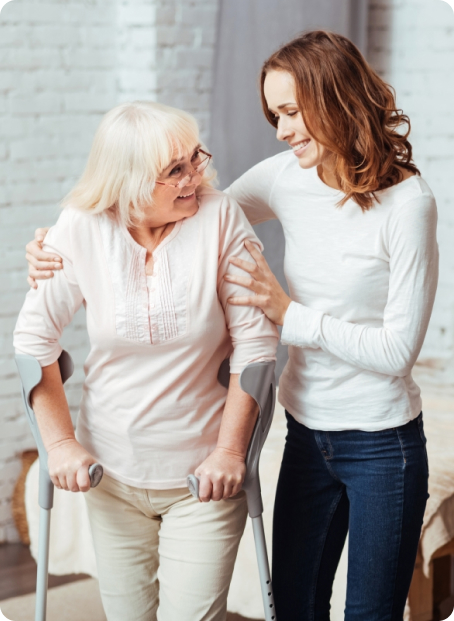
<point>371,484</point>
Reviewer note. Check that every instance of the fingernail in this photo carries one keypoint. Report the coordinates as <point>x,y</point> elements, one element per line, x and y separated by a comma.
<point>57,266</point>
<point>57,259</point>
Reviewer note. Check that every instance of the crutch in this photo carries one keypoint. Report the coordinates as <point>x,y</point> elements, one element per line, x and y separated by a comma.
<point>257,380</point>
<point>30,373</point>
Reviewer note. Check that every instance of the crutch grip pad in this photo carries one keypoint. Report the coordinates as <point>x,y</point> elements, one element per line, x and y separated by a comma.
<point>45,490</point>
<point>95,472</point>
<point>193,485</point>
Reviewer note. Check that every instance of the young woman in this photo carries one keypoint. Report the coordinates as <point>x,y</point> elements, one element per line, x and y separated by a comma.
<point>159,325</point>
<point>361,263</point>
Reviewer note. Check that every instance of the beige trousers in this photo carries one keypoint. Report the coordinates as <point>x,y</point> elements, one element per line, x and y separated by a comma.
<point>161,554</point>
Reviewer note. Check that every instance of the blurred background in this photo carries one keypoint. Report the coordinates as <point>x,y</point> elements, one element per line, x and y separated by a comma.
<point>63,64</point>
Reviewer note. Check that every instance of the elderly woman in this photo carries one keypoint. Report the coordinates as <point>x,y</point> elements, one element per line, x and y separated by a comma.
<point>146,243</point>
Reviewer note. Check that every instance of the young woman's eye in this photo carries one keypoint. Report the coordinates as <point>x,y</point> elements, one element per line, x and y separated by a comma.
<point>291,113</point>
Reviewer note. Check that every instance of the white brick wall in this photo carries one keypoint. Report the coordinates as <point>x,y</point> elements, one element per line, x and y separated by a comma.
<point>62,65</point>
<point>411,44</point>
<point>57,77</point>
<point>185,46</point>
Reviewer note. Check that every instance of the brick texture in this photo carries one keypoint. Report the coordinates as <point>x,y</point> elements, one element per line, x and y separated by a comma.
<point>64,63</point>
<point>411,45</point>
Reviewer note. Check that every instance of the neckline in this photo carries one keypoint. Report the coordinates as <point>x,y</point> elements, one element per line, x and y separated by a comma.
<point>159,247</point>
<point>333,192</point>
<point>326,188</point>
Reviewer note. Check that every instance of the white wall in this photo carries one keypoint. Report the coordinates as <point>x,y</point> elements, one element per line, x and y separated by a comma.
<point>411,44</point>
<point>63,64</point>
<point>57,77</point>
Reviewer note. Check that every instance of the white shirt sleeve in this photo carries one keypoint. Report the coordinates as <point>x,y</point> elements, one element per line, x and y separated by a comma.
<point>254,337</point>
<point>393,348</point>
<point>51,307</point>
<point>252,191</point>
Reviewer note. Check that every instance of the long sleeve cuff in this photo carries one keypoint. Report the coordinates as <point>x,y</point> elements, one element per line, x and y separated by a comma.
<point>302,326</point>
<point>254,350</point>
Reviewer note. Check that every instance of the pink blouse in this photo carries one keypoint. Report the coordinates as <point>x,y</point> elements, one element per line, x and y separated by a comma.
<point>151,405</point>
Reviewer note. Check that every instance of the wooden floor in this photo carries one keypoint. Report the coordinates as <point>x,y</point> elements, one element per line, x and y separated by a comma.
<point>18,574</point>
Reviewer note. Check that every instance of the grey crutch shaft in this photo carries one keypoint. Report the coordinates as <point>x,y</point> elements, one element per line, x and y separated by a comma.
<point>264,568</point>
<point>43,564</point>
<point>30,373</point>
<point>257,380</point>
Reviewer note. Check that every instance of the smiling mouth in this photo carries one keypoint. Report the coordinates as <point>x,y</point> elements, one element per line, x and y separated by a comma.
<point>300,146</point>
<point>186,197</point>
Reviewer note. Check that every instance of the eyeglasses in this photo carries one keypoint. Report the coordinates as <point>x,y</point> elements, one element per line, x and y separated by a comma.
<point>199,163</point>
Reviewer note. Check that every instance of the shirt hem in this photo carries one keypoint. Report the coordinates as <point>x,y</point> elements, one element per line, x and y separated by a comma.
<point>351,425</point>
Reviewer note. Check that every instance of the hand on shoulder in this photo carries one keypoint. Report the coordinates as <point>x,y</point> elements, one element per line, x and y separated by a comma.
<point>41,265</point>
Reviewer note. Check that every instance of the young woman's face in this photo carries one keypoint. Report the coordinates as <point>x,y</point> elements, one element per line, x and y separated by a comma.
<point>279,89</point>
<point>170,203</point>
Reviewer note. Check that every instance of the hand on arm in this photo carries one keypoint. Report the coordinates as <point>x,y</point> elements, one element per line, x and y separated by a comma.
<point>68,461</point>
<point>269,295</point>
<point>222,473</point>
<point>41,265</point>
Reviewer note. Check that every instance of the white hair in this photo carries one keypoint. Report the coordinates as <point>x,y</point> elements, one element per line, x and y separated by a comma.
<point>134,143</point>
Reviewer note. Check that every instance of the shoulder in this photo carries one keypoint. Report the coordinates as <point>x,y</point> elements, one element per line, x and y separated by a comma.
<point>71,216</point>
<point>411,196</point>
<point>280,161</point>
<point>213,201</point>
<point>272,167</point>
<point>219,207</point>
<point>264,173</point>
<point>72,224</point>
<point>412,214</point>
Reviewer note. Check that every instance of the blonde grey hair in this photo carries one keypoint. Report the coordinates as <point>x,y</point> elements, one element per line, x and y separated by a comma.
<point>134,143</point>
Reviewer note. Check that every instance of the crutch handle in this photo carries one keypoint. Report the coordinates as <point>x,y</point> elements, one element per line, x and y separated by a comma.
<point>193,485</point>
<point>95,472</point>
<point>257,380</point>
<point>31,374</point>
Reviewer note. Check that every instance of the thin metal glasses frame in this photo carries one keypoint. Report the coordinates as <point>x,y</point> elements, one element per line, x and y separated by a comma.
<point>187,178</point>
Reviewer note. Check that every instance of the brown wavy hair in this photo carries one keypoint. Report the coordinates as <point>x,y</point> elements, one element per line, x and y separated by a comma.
<point>348,109</point>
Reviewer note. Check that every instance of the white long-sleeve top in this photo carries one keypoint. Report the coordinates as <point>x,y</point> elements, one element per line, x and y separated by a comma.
<point>151,406</point>
<point>362,288</point>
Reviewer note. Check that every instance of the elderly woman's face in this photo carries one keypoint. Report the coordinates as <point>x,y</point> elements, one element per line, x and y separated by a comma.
<point>171,203</point>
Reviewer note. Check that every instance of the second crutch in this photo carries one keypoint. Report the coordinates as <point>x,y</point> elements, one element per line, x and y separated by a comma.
<point>30,373</point>
<point>257,380</point>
